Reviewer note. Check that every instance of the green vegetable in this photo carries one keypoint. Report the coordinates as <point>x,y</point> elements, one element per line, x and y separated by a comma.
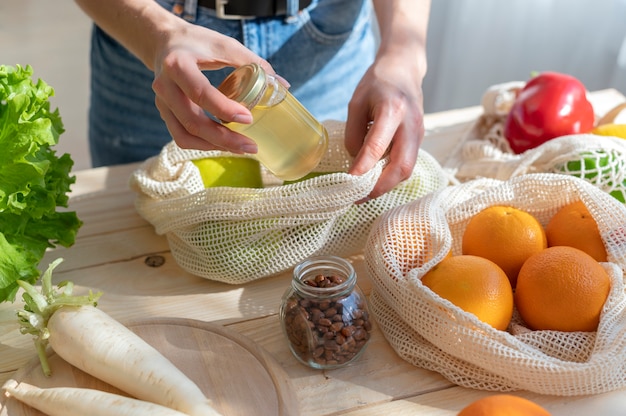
<point>33,180</point>
<point>604,169</point>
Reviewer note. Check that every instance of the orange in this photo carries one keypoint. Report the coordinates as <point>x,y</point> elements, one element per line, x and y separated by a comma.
<point>574,226</point>
<point>562,289</point>
<point>476,285</point>
<point>505,235</point>
<point>503,405</point>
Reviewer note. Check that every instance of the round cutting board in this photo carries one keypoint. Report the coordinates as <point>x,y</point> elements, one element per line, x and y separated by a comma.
<point>240,377</point>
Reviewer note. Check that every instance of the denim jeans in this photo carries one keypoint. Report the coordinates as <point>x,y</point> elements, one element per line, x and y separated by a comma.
<point>322,51</point>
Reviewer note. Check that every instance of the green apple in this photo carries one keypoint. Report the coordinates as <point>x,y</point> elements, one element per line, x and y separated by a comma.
<point>598,168</point>
<point>238,248</point>
<point>239,172</point>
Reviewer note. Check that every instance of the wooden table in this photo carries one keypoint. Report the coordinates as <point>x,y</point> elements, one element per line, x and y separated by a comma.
<point>110,256</point>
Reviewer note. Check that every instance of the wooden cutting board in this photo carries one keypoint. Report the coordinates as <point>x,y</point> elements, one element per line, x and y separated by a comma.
<point>240,377</point>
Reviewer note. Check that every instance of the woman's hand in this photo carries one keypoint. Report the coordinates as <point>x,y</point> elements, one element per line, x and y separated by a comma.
<point>385,117</point>
<point>183,93</point>
<point>177,51</point>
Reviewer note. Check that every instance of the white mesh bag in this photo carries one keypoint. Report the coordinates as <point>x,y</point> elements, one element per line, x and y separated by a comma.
<point>484,151</point>
<point>236,235</point>
<point>432,333</point>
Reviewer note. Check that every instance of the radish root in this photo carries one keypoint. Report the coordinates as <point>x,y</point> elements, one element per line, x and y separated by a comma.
<point>39,307</point>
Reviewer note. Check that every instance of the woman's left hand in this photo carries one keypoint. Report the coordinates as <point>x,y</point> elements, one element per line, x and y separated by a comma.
<point>385,117</point>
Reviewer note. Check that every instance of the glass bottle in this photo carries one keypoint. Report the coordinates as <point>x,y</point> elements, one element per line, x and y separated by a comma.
<point>324,315</point>
<point>290,141</point>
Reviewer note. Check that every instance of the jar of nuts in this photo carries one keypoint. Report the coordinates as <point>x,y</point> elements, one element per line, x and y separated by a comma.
<point>324,314</point>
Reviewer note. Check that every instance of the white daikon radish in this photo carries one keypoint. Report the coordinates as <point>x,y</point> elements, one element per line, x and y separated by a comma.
<point>72,401</point>
<point>94,342</point>
<point>91,340</point>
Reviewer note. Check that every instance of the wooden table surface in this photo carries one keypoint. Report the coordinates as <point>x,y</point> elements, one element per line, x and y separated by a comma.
<point>110,256</point>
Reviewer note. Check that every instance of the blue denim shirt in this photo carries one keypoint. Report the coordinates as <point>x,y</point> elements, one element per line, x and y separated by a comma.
<point>323,51</point>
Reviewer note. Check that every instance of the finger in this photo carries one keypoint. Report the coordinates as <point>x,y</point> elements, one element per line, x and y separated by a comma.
<point>356,126</point>
<point>185,74</point>
<point>232,53</point>
<point>402,157</point>
<point>220,138</point>
<point>229,52</point>
<point>375,143</point>
<point>181,136</point>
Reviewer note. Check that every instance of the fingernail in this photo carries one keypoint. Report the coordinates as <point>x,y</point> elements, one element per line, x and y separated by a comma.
<point>242,118</point>
<point>283,81</point>
<point>249,148</point>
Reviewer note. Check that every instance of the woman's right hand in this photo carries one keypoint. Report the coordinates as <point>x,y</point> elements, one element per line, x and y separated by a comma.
<point>178,51</point>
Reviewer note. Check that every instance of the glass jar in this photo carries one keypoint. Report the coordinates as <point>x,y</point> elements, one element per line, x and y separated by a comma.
<point>290,141</point>
<point>324,314</point>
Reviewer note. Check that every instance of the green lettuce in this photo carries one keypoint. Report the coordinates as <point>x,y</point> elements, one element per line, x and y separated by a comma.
<point>34,181</point>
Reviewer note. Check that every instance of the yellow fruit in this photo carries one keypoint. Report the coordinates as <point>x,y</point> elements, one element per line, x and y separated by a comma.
<point>505,235</point>
<point>611,129</point>
<point>476,285</point>
<point>574,226</point>
<point>240,172</point>
<point>503,405</point>
<point>563,289</point>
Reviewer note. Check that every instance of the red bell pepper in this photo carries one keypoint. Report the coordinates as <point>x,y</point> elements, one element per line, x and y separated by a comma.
<point>550,105</point>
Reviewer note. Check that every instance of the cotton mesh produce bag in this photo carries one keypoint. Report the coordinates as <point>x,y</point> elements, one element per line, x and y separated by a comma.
<point>485,152</point>
<point>236,235</point>
<point>432,333</point>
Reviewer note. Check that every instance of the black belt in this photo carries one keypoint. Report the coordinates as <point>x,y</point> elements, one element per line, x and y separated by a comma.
<point>248,9</point>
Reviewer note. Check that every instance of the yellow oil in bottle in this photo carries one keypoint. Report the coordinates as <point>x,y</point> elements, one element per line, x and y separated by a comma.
<point>290,141</point>
<point>285,147</point>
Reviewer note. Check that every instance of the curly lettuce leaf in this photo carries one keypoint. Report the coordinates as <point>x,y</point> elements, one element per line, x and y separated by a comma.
<point>34,182</point>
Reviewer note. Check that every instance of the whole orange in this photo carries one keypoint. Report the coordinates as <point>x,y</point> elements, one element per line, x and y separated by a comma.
<point>562,289</point>
<point>505,235</point>
<point>574,226</point>
<point>503,405</point>
<point>476,285</point>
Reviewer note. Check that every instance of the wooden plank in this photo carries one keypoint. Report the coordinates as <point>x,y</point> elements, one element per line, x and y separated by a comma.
<point>103,200</point>
<point>378,376</point>
<point>448,402</point>
<point>108,247</point>
<point>107,213</point>
<point>235,373</point>
<point>250,309</point>
<point>109,179</point>
<point>133,290</point>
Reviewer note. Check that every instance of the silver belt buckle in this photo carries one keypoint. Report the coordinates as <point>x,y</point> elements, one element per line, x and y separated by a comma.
<point>220,12</point>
